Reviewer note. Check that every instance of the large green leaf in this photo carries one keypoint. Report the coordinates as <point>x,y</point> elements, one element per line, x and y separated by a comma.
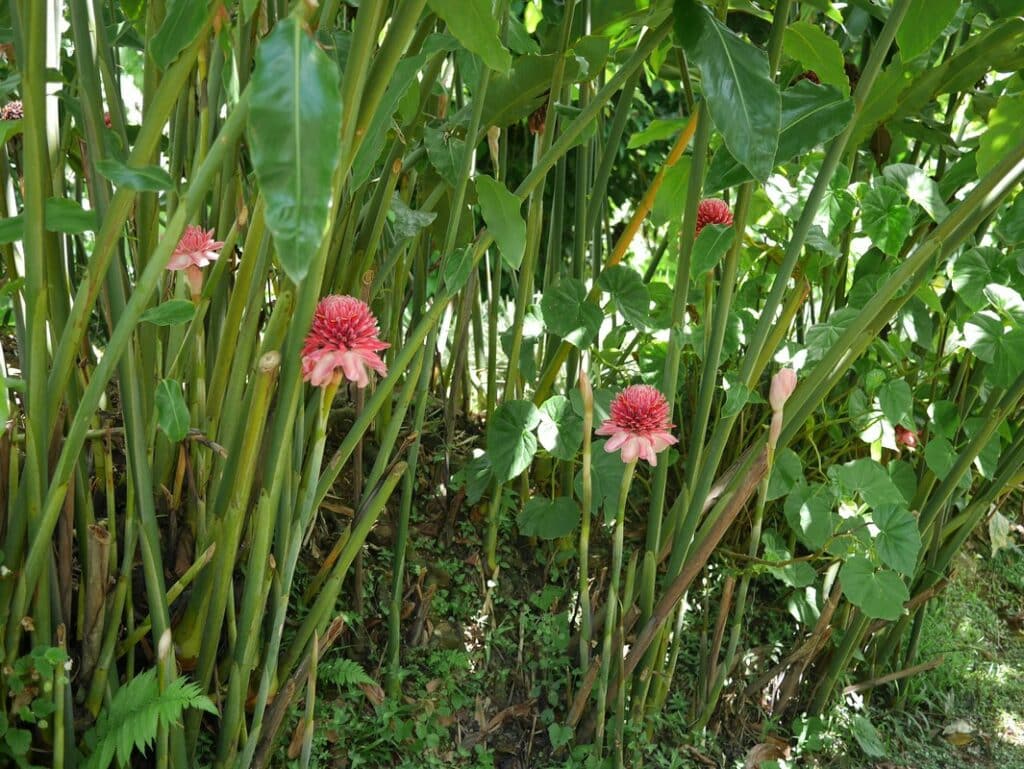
<point>986,337</point>
<point>1011,223</point>
<point>972,271</point>
<point>816,51</point>
<point>799,574</point>
<point>475,26</point>
<point>739,92</point>
<point>140,179</point>
<point>511,443</point>
<point>629,293</point>
<point>787,472</point>
<point>295,123</point>
<point>898,540</point>
<point>445,151</point>
<point>887,219</point>
<point>879,593</point>
<point>501,211</point>
<point>568,314</point>
<point>811,114</point>
<point>1003,132</point>
<point>171,410</point>
<point>919,187</point>
<point>606,469</point>
<point>561,428</point>
<point>924,22</point>
<point>548,518</point>
<point>808,511</point>
<point>897,402</point>
<point>182,22</point>
<point>867,478</point>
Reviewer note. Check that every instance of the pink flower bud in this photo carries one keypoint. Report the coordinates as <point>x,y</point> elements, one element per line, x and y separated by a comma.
<point>783,384</point>
<point>905,437</point>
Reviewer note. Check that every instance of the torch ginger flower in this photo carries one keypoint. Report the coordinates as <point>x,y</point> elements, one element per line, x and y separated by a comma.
<point>195,250</point>
<point>638,424</point>
<point>12,110</point>
<point>344,335</point>
<point>712,211</point>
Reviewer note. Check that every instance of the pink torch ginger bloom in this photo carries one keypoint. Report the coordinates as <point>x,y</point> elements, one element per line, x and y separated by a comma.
<point>783,385</point>
<point>905,437</point>
<point>344,336</point>
<point>196,248</point>
<point>712,211</point>
<point>638,424</point>
<point>12,110</point>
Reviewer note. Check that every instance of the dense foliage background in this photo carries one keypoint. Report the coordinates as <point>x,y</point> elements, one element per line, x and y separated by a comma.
<point>434,559</point>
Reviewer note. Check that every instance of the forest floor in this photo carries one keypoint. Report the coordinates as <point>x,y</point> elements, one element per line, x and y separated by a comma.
<point>485,665</point>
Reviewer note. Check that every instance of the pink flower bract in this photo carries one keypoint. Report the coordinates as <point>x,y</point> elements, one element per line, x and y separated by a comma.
<point>712,211</point>
<point>639,424</point>
<point>196,248</point>
<point>344,335</point>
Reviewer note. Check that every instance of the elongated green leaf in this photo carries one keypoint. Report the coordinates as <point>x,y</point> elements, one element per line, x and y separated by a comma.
<point>445,152</point>
<point>1003,133</point>
<point>171,410</point>
<point>144,179</point>
<point>741,96</point>
<point>879,593</point>
<point>925,21</point>
<point>12,228</point>
<point>182,23</point>
<point>712,243</point>
<point>548,518</point>
<point>811,114</point>
<point>501,210</point>
<point>63,215</point>
<point>816,51</point>
<point>9,129</point>
<point>511,443</point>
<point>295,123</point>
<point>658,130</point>
<point>171,313</point>
<point>475,26</point>
<point>671,197</point>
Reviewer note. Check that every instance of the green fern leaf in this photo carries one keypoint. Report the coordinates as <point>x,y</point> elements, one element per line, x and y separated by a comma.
<point>135,715</point>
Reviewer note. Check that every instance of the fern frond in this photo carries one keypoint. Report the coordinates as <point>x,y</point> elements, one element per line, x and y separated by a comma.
<point>343,672</point>
<point>135,715</point>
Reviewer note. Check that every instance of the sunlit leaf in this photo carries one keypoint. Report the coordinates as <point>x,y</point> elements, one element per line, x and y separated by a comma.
<point>295,122</point>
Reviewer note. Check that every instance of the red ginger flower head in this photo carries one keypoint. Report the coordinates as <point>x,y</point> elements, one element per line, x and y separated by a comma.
<point>12,110</point>
<point>344,335</point>
<point>712,211</point>
<point>196,248</point>
<point>639,424</point>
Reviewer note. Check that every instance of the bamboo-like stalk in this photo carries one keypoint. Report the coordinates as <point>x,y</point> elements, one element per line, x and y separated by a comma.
<point>612,603</point>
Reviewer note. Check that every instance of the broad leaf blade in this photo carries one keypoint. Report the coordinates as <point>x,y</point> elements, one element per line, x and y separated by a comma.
<point>475,26</point>
<point>741,96</point>
<point>171,410</point>
<point>295,123</point>
<point>501,211</point>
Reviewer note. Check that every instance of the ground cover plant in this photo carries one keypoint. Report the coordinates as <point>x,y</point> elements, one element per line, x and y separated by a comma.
<point>499,382</point>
